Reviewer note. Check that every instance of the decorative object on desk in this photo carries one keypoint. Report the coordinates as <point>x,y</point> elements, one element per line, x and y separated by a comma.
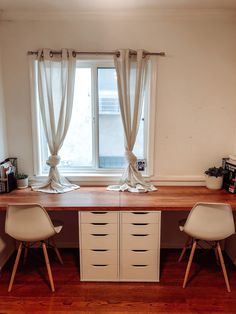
<point>131,79</point>
<point>214,178</point>
<point>141,164</point>
<point>55,73</point>
<point>22,181</point>
<point>8,170</point>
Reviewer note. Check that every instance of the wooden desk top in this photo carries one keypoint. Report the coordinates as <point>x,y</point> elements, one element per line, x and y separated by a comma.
<point>167,198</point>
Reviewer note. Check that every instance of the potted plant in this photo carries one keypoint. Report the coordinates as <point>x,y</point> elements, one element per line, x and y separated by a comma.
<point>214,178</point>
<point>22,181</point>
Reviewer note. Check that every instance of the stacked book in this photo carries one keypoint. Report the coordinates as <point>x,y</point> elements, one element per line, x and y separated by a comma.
<point>229,164</point>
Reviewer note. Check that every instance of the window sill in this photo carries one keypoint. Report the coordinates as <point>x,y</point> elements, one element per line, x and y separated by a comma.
<point>86,178</point>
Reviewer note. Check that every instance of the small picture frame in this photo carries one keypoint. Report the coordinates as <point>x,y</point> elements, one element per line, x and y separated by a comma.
<point>141,164</point>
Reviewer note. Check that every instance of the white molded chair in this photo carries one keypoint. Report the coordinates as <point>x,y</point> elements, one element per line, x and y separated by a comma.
<point>208,222</point>
<point>29,223</point>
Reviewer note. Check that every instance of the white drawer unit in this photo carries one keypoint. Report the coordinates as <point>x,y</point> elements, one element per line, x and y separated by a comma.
<point>139,246</point>
<point>99,238</point>
<point>119,246</point>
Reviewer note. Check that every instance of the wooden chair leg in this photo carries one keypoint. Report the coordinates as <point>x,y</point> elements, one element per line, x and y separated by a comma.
<point>56,251</point>
<point>189,263</point>
<point>48,266</point>
<point>15,267</point>
<point>223,267</point>
<point>184,248</point>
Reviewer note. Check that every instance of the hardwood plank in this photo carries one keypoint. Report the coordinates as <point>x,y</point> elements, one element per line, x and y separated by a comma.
<point>167,198</point>
<point>205,292</point>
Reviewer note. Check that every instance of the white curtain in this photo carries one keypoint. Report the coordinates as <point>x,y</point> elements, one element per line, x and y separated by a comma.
<point>131,77</point>
<point>56,78</point>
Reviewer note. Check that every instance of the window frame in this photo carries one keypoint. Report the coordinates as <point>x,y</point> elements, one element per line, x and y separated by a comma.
<point>96,173</point>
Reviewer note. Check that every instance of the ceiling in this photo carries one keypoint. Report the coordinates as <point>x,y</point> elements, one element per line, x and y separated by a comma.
<point>101,5</point>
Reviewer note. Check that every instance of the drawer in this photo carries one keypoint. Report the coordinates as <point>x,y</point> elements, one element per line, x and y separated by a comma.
<point>98,228</point>
<point>98,217</point>
<point>102,272</point>
<point>139,241</point>
<point>140,228</point>
<point>99,256</point>
<point>143,257</point>
<point>140,217</point>
<point>99,241</point>
<point>136,272</point>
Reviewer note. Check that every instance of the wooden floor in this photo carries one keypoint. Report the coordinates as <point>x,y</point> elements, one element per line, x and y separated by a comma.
<point>205,293</point>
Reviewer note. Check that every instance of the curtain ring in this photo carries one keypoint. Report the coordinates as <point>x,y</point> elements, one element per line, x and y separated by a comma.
<point>51,53</point>
<point>144,53</point>
<point>132,53</point>
<point>117,53</point>
<point>74,53</point>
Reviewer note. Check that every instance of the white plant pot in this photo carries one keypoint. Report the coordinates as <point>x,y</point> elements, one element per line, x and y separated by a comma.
<point>22,183</point>
<point>214,183</point>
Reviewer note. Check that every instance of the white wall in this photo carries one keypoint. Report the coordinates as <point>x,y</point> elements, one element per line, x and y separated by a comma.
<point>6,243</point>
<point>3,137</point>
<point>196,103</point>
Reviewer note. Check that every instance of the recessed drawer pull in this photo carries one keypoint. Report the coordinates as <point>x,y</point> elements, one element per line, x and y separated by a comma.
<point>139,265</point>
<point>139,213</point>
<point>100,265</point>
<point>140,235</point>
<point>99,234</point>
<point>99,213</point>
<point>139,250</point>
<point>99,250</point>
<point>139,224</point>
<point>99,223</point>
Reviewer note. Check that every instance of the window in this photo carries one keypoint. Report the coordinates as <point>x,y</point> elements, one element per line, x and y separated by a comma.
<point>95,139</point>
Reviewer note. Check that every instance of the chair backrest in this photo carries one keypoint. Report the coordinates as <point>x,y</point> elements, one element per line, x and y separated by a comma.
<point>210,221</point>
<point>28,222</point>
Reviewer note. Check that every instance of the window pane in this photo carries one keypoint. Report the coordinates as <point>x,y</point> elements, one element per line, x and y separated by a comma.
<point>111,136</point>
<point>77,148</point>
<point>111,139</point>
<point>139,146</point>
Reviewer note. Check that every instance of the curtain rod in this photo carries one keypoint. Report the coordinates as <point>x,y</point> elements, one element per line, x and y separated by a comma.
<point>57,52</point>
